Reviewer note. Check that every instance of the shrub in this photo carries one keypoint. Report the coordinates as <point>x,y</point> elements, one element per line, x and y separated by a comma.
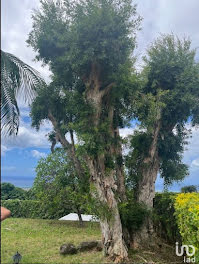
<point>30,209</point>
<point>164,218</point>
<point>187,213</point>
<point>165,222</point>
<point>132,215</point>
<point>23,208</point>
<point>9,191</point>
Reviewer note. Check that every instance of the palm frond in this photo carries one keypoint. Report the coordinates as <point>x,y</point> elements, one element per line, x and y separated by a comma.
<point>17,78</point>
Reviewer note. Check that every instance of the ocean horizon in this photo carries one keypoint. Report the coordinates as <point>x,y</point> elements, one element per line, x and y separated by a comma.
<point>27,182</point>
<point>22,182</point>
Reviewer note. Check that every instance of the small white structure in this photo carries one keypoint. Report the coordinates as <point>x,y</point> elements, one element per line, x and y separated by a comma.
<point>74,217</point>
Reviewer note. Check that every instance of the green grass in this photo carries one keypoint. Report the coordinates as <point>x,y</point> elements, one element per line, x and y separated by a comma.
<point>39,241</point>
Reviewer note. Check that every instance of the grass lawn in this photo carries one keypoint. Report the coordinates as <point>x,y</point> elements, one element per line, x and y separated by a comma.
<point>38,241</point>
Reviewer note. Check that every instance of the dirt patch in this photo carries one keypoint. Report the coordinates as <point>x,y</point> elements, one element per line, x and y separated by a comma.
<point>159,253</point>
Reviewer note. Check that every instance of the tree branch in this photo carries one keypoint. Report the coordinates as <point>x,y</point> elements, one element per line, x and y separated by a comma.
<point>61,137</point>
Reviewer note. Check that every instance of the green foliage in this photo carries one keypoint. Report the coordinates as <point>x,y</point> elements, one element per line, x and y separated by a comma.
<point>73,39</point>
<point>57,186</point>
<point>24,208</point>
<point>30,195</point>
<point>139,145</point>
<point>132,215</point>
<point>70,36</point>
<point>17,78</point>
<point>170,66</point>
<point>96,207</point>
<point>189,189</point>
<point>168,97</point>
<point>61,103</point>
<point>171,149</point>
<point>187,214</point>
<point>176,218</point>
<point>165,222</point>
<point>9,191</point>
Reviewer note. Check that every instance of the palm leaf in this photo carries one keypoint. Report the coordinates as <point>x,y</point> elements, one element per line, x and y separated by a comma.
<point>17,78</point>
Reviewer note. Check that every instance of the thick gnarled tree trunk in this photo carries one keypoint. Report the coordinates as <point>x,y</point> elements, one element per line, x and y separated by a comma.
<point>110,222</point>
<point>146,196</point>
<point>146,188</point>
<point>105,185</point>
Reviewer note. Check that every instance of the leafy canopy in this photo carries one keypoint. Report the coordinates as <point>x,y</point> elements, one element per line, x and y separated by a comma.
<point>169,95</point>
<point>73,36</point>
<point>57,185</point>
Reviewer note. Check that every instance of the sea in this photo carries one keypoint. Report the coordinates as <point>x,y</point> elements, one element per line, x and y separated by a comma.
<point>22,182</point>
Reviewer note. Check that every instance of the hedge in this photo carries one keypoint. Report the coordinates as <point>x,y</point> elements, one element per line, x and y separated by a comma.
<point>24,208</point>
<point>187,214</point>
<point>31,209</point>
<point>164,218</point>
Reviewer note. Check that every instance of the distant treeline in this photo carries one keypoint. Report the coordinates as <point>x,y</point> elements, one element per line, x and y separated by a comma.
<point>10,191</point>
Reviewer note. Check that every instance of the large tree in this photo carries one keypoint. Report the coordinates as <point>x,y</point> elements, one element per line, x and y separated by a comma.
<point>168,105</point>
<point>17,78</point>
<point>92,42</point>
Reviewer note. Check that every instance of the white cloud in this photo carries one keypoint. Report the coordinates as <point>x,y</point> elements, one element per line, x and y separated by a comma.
<point>36,154</point>
<point>28,137</point>
<point>166,16</point>
<point>192,149</point>
<point>16,25</point>
<point>162,16</point>
<point>4,149</point>
<point>124,132</point>
<point>195,163</point>
<point>24,111</point>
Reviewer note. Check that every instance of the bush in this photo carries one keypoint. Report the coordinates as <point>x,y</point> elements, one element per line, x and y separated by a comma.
<point>165,222</point>
<point>187,214</point>
<point>189,189</point>
<point>30,209</point>
<point>9,191</point>
<point>132,215</point>
<point>23,208</point>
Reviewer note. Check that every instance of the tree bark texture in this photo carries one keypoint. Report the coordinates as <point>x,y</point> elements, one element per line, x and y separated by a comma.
<point>111,227</point>
<point>105,184</point>
<point>146,188</point>
<point>70,147</point>
<point>120,168</point>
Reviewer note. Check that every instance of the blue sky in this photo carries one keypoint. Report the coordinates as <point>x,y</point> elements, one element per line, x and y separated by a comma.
<point>20,154</point>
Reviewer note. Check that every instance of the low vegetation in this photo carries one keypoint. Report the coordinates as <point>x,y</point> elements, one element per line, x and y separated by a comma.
<point>187,213</point>
<point>39,241</point>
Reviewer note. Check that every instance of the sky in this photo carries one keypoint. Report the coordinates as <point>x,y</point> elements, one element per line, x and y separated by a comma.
<point>20,154</point>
